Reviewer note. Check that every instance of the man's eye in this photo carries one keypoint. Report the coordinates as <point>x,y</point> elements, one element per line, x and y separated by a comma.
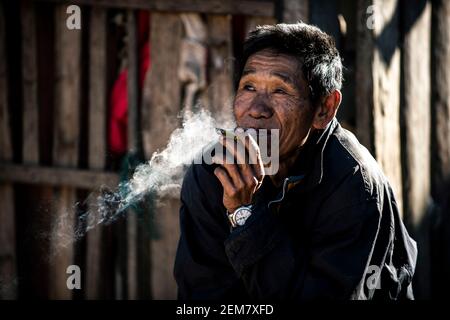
<point>249,87</point>
<point>280,91</point>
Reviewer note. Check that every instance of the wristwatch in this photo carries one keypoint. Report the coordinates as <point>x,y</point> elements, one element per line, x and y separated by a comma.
<point>239,216</point>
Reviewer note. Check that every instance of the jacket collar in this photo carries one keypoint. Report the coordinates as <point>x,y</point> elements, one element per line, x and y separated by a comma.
<point>312,157</point>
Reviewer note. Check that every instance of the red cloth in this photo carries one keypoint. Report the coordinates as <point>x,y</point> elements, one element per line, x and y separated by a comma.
<point>118,121</point>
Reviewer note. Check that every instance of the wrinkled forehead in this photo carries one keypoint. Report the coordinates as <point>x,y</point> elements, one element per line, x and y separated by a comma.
<point>268,62</point>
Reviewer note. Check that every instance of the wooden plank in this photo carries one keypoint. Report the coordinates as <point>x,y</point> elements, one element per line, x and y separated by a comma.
<point>295,10</point>
<point>132,256</point>
<point>52,176</point>
<point>33,195</point>
<point>378,87</point>
<point>132,83</point>
<point>440,108</point>
<point>415,110</point>
<point>68,53</point>
<point>415,120</point>
<point>29,84</point>
<point>6,152</point>
<point>133,149</point>
<point>440,145</point>
<point>162,90</point>
<point>120,270</point>
<point>65,151</point>
<point>8,273</point>
<point>97,89</point>
<point>96,249</point>
<point>138,248</point>
<point>193,62</point>
<point>164,248</point>
<point>221,65</point>
<point>160,109</point>
<point>263,8</point>
<point>139,280</point>
<point>144,236</point>
<point>364,96</point>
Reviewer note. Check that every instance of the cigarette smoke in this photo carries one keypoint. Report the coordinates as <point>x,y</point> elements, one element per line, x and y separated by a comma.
<point>161,175</point>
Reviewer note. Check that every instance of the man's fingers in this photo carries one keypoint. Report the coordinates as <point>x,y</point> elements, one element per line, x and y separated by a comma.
<point>235,174</point>
<point>232,172</point>
<point>236,151</point>
<point>225,180</point>
<point>246,151</point>
<point>249,171</point>
<point>254,154</point>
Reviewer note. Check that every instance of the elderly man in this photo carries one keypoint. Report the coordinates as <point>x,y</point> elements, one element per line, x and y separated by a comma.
<point>326,225</point>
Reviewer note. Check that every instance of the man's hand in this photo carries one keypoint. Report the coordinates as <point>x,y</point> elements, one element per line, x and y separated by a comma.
<point>242,178</point>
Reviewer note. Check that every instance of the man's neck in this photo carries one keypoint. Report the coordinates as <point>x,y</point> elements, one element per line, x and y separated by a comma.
<point>283,169</point>
<point>289,162</point>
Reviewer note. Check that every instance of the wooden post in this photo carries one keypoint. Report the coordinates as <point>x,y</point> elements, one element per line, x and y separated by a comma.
<point>159,118</point>
<point>8,280</point>
<point>415,120</point>
<point>29,75</point>
<point>193,61</point>
<point>378,86</point>
<point>33,195</point>
<point>440,145</point>
<point>138,246</point>
<point>295,10</point>
<point>96,249</point>
<point>221,66</point>
<point>440,108</point>
<point>65,151</point>
<point>133,148</point>
<point>132,83</point>
<point>131,256</point>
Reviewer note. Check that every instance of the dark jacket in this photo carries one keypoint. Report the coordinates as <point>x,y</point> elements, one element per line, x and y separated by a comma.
<point>330,232</point>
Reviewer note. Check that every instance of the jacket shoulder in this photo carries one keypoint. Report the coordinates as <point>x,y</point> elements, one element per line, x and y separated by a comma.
<point>348,162</point>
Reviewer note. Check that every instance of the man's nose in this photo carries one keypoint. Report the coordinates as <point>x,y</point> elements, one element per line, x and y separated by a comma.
<point>260,108</point>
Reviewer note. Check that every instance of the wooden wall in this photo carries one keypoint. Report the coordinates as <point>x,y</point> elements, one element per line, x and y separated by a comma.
<point>55,89</point>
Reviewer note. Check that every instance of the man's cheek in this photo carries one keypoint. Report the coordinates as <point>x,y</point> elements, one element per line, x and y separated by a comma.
<point>240,106</point>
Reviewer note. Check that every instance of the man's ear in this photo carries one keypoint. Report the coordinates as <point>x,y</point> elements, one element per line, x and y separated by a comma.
<point>327,110</point>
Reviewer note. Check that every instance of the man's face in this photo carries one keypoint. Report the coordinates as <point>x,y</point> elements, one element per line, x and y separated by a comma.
<point>273,94</point>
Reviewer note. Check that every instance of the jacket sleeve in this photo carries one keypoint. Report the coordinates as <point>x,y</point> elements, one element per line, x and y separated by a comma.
<point>273,266</point>
<point>202,270</point>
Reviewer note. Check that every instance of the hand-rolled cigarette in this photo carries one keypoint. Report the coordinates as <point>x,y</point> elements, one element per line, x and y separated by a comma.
<point>227,133</point>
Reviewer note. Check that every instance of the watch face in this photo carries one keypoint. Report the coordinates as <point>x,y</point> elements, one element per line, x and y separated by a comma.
<point>242,215</point>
